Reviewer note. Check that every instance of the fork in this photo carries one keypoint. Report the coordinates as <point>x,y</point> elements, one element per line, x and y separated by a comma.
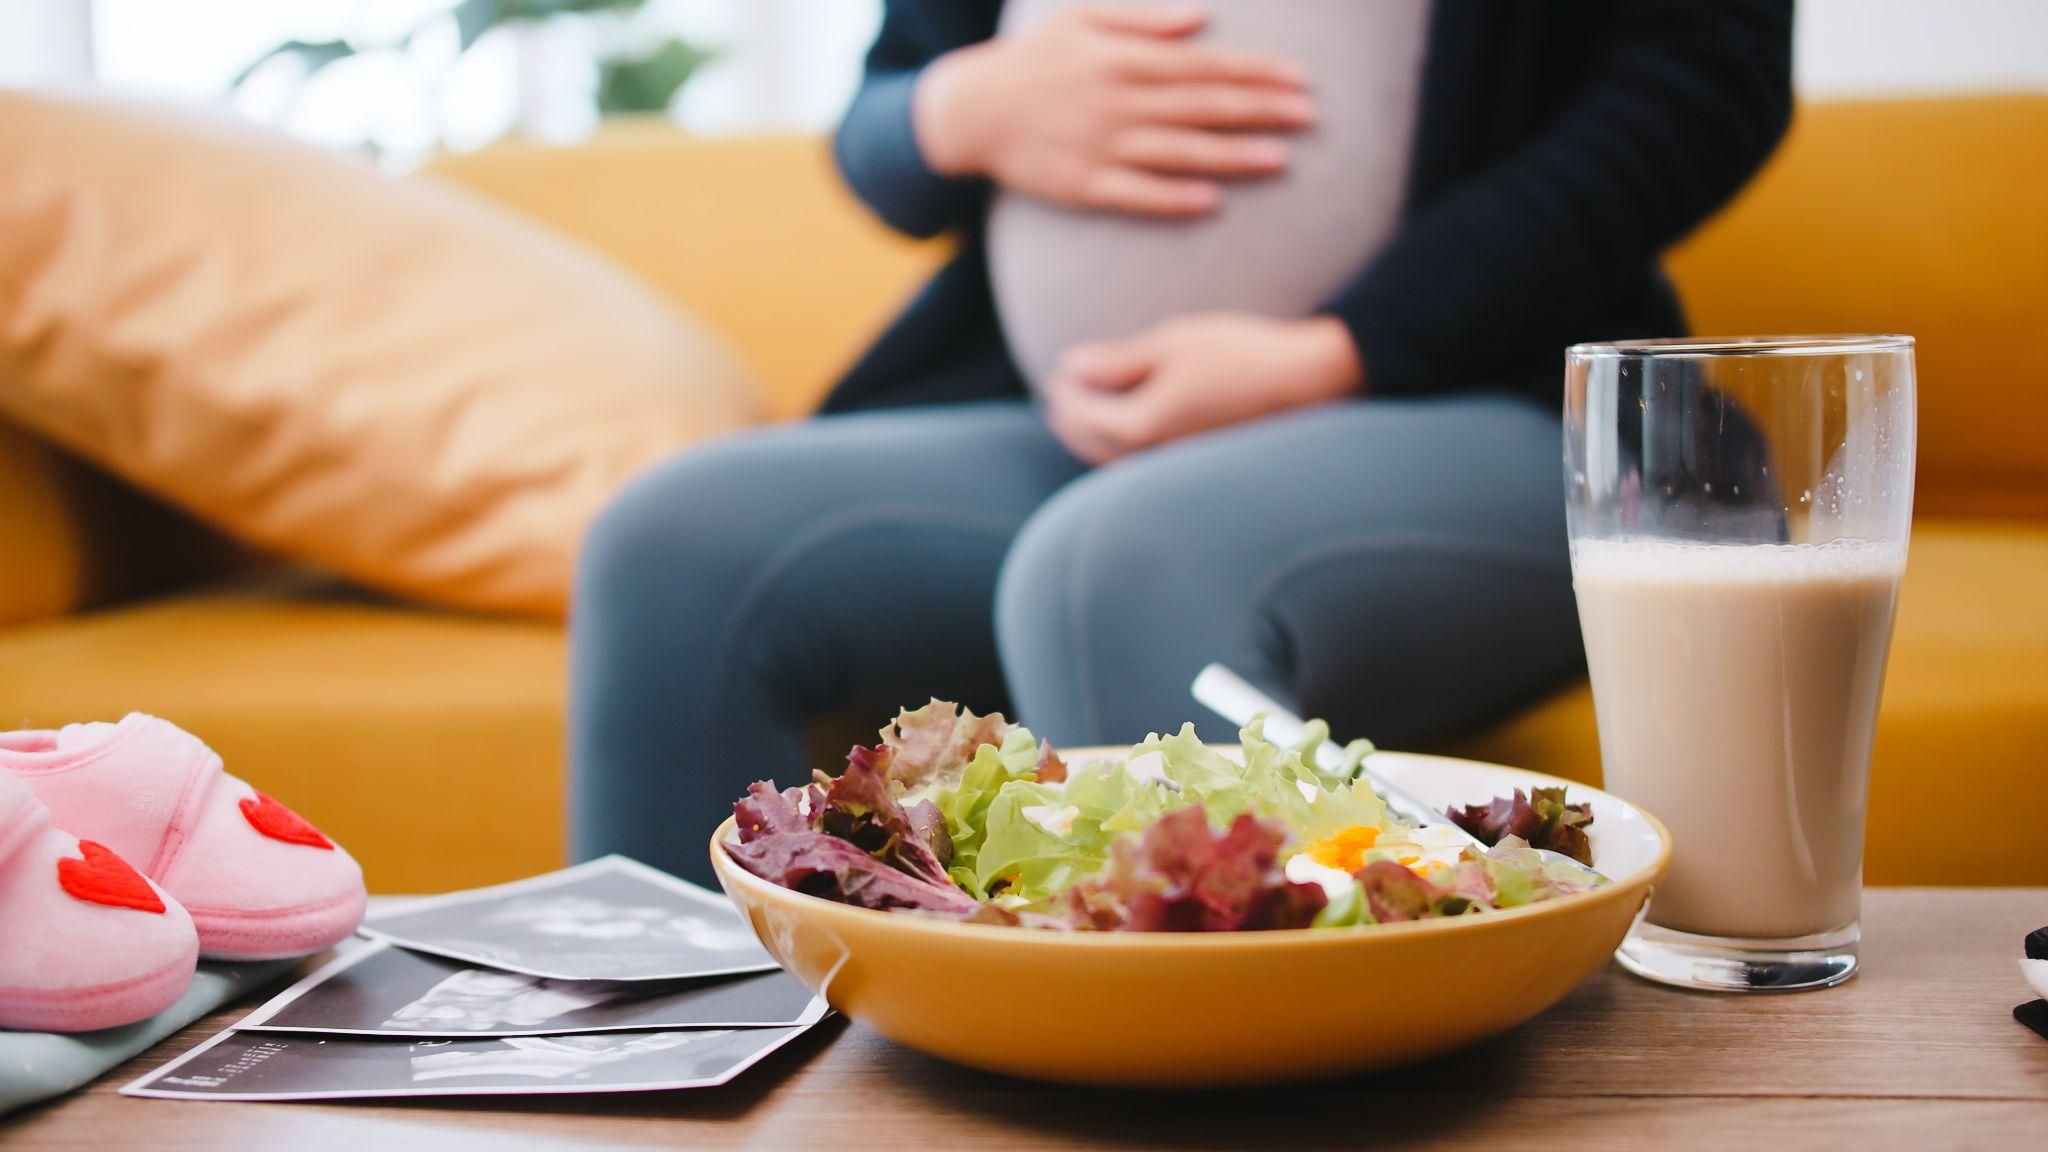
<point>1235,699</point>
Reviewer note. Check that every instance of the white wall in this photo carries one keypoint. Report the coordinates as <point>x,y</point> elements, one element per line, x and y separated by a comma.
<point>45,41</point>
<point>1870,47</point>
<point>786,64</point>
<point>792,63</point>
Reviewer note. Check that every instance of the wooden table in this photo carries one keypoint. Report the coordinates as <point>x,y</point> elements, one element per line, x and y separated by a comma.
<point>1920,1051</point>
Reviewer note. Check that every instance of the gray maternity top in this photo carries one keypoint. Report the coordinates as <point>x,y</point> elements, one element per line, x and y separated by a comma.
<point>1280,246</point>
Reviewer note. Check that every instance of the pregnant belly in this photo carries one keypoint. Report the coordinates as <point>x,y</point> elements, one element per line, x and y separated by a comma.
<point>1281,246</point>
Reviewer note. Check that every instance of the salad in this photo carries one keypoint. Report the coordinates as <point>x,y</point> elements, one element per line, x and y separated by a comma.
<point>973,818</point>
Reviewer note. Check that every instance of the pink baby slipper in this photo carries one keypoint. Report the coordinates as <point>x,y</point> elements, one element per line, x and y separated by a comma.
<point>260,882</point>
<point>85,940</point>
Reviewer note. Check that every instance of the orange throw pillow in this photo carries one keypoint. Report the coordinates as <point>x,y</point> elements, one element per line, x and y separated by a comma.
<point>387,377</point>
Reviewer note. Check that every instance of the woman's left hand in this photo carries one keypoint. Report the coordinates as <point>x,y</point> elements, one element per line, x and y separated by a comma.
<point>1110,398</point>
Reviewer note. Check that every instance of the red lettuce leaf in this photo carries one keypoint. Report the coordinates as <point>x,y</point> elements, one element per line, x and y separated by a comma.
<point>928,825</point>
<point>763,811</point>
<point>1542,817</point>
<point>1180,875</point>
<point>850,839</point>
<point>936,742</point>
<point>1463,886</point>
<point>1393,893</point>
<point>823,865</point>
<point>864,807</point>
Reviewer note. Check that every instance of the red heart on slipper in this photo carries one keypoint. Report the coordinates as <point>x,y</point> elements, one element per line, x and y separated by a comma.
<point>104,878</point>
<point>281,823</point>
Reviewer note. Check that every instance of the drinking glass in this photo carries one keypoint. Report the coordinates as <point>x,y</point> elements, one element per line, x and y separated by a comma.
<point>1739,512</point>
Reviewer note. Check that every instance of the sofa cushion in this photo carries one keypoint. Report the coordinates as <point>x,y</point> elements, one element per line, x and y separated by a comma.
<point>1921,216</point>
<point>1955,774</point>
<point>77,538</point>
<point>429,744</point>
<point>387,377</point>
<point>756,234</point>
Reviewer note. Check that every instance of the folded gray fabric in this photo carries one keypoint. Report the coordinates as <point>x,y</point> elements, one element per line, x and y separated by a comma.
<point>38,1065</point>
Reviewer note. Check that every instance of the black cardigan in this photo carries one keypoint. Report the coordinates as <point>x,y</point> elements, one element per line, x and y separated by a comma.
<point>1562,145</point>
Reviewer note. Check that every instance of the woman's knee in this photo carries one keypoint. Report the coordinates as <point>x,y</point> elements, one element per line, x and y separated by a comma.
<point>624,537</point>
<point>716,512</point>
<point>1072,559</point>
<point>681,526</point>
<point>1099,613</point>
<point>662,572</point>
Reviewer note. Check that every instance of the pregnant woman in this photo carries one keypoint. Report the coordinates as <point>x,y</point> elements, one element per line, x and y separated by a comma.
<point>1250,351</point>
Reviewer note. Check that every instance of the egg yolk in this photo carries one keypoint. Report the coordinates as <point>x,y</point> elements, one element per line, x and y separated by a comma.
<point>1346,849</point>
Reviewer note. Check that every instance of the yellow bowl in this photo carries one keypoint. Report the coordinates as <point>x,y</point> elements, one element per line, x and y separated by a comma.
<point>1184,1010</point>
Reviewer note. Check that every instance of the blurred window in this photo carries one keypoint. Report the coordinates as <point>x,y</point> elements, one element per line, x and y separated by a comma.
<point>399,78</point>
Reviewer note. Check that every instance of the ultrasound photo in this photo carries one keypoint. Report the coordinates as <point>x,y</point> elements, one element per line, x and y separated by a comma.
<point>286,1066</point>
<point>609,919</point>
<point>381,990</point>
<point>390,991</point>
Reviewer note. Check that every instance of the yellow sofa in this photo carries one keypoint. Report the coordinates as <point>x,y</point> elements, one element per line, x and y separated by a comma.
<point>431,743</point>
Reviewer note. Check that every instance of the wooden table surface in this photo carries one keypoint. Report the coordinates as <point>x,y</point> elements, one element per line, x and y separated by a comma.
<point>1920,1051</point>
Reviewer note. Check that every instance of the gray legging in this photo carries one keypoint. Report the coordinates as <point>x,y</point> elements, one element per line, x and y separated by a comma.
<point>1398,566</point>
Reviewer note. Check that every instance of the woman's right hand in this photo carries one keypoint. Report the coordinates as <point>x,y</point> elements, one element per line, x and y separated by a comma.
<point>1111,108</point>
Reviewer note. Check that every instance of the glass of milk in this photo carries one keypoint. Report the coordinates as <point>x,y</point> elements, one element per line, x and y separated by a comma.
<point>1739,513</point>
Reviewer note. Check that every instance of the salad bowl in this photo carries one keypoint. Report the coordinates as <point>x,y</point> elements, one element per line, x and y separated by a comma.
<point>1211,1009</point>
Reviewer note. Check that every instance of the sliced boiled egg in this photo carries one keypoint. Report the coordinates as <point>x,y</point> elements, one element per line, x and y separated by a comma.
<point>1437,847</point>
<point>1305,869</point>
<point>2036,972</point>
<point>1344,849</point>
<point>1057,821</point>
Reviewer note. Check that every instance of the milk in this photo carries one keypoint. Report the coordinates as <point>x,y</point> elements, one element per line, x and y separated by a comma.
<point>1736,688</point>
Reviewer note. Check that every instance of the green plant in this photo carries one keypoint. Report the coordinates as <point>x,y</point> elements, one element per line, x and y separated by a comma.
<point>645,83</point>
<point>644,79</point>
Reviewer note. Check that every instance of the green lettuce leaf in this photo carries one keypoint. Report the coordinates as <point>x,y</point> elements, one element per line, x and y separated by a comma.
<point>1026,838</point>
<point>1347,910</point>
<point>1272,782</point>
<point>967,801</point>
<point>1513,886</point>
<point>1547,878</point>
<point>1036,838</point>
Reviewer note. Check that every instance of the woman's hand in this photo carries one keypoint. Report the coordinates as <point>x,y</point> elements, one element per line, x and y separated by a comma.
<point>1193,373</point>
<point>1110,108</point>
